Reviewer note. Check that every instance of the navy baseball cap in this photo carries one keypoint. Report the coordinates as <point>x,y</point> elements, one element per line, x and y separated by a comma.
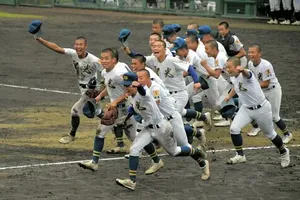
<point>34,26</point>
<point>124,34</point>
<point>203,30</point>
<point>168,30</point>
<point>176,27</point>
<point>128,78</point>
<point>178,43</point>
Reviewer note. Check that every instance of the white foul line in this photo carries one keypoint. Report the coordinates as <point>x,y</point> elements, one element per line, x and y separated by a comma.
<point>122,158</point>
<point>38,89</point>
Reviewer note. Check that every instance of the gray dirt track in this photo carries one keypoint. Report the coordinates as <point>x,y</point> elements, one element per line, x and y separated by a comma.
<point>24,62</point>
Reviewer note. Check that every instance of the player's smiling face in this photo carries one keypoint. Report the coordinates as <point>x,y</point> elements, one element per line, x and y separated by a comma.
<point>253,54</point>
<point>80,47</point>
<point>222,30</point>
<point>231,69</point>
<point>136,65</point>
<point>159,50</point>
<point>107,61</point>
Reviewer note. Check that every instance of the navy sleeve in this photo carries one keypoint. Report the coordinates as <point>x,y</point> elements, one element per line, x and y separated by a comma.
<point>193,73</point>
<point>141,90</point>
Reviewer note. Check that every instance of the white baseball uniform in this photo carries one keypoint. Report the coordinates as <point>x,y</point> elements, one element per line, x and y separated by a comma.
<point>171,73</point>
<point>254,106</point>
<point>154,126</point>
<point>264,71</point>
<point>112,81</point>
<point>224,82</point>
<point>86,68</point>
<point>211,93</point>
<point>166,105</point>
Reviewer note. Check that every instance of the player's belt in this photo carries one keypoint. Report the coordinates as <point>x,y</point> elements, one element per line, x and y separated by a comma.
<point>270,88</point>
<point>84,86</point>
<point>258,106</point>
<point>170,117</point>
<point>175,92</point>
<point>152,126</point>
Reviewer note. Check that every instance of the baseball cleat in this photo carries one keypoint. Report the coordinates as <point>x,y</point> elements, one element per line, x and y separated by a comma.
<point>236,159</point>
<point>296,23</point>
<point>223,123</point>
<point>287,138</point>
<point>91,165</point>
<point>155,167</point>
<point>205,171</point>
<point>285,158</point>
<point>253,132</point>
<point>117,150</point>
<point>218,118</point>
<point>127,183</point>
<point>208,122</point>
<point>271,21</point>
<point>67,139</point>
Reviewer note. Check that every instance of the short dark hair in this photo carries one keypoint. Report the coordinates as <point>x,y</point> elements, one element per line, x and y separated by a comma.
<point>140,57</point>
<point>213,44</point>
<point>225,24</point>
<point>146,71</point>
<point>235,61</point>
<point>113,52</point>
<point>163,42</point>
<point>158,21</point>
<point>157,34</point>
<point>257,46</point>
<point>82,38</point>
<point>193,38</point>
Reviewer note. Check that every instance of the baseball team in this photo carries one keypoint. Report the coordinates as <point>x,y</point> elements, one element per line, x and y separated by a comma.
<point>159,98</point>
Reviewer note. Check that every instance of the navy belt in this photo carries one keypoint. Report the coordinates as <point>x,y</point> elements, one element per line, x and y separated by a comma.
<point>152,126</point>
<point>83,85</point>
<point>170,117</point>
<point>270,88</point>
<point>258,106</point>
<point>255,107</point>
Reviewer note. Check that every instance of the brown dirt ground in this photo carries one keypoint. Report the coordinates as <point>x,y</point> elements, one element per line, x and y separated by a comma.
<point>32,121</point>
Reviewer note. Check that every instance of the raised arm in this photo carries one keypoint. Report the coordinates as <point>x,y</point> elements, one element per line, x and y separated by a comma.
<point>51,45</point>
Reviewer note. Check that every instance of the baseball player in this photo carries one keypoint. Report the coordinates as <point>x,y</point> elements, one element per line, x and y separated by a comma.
<point>170,70</point>
<point>231,43</point>
<point>264,73</point>
<point>154,127</point>
<point>113,70</point>
<point>288,12</point>
<point>190,56</point>
<point>157,26</point>
<point>86,67</point>
<point>274,11</point>
<point>219,72</point>
<point>296,4</point>
<point>138,64</point>
<point>254,106</point>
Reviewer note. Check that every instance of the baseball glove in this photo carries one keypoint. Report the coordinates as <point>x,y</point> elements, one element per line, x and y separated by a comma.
<point>109,117</point>
<point>92,93</point>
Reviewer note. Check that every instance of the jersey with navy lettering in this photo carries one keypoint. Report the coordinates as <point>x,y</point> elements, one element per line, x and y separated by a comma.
<point>113,79</point>
<point>86,68</point>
